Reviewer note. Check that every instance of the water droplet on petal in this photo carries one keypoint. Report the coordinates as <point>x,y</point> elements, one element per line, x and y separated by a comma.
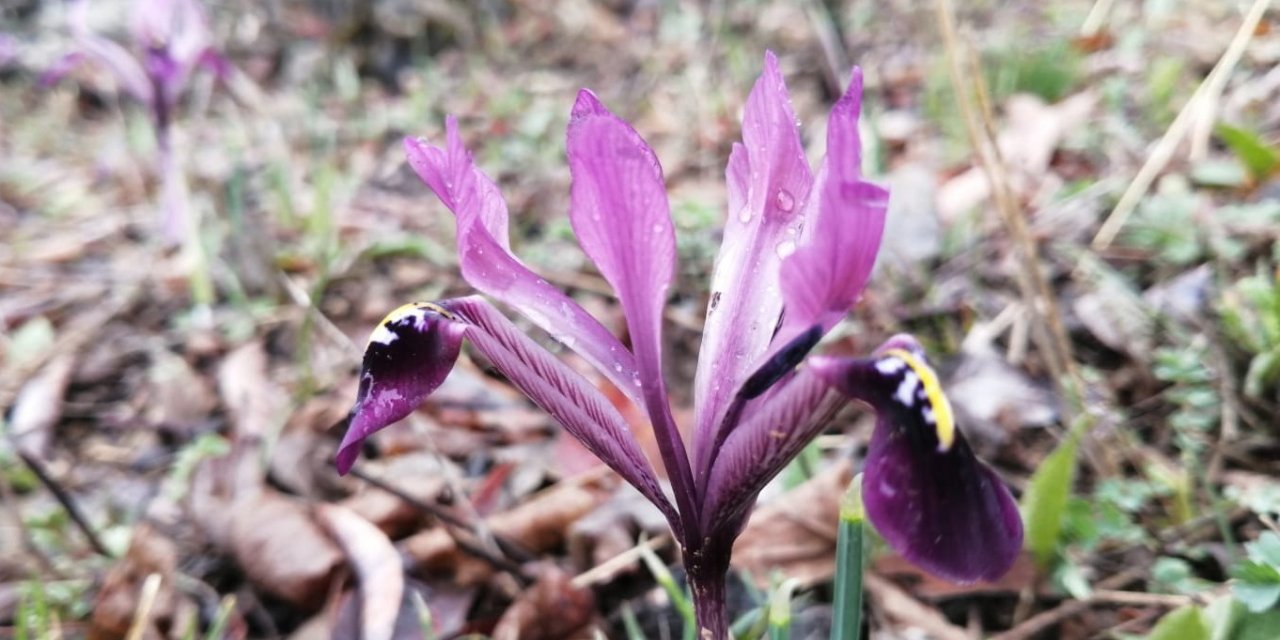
<point>657,228</point>
<point>785,248</point>
<point>745,214</point>
<point>785,201</point>
<point>617,366</point>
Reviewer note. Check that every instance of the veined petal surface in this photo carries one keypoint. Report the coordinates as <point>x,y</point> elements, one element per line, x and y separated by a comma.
<point>413,350</point>
<point>488,265</point>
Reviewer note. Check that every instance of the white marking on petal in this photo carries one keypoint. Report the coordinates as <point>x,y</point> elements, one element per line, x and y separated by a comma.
<point>382,335</point>
<point>928,414</point>
<point>890,366</point>
<point>907,389</point>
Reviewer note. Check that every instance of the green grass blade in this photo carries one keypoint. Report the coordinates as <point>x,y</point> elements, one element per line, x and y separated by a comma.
<point>850,560</point>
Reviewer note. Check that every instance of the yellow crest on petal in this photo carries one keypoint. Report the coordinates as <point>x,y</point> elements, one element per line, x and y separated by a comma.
<point>939,410</point>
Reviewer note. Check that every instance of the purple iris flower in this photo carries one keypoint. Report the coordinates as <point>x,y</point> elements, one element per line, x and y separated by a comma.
<point>798,249</point>
<point>172,40</point>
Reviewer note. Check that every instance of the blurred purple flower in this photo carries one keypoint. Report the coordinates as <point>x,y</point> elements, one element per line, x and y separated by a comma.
<point>798,250</point>
<point>8,49</point>
<point>171,40</point>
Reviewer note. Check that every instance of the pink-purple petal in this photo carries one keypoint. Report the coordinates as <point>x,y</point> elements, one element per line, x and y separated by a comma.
<point>774,430</point>
<point>564,394</point>
<point>488,265</point>
<point>412,352</point>
<point>769,184</point>
<point>619,211</point>
<point>825,276</point>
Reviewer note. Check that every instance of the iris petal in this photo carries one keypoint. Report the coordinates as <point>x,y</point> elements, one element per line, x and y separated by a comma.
<point>620,214</point>
<point>947,512</point>
<point>488,265</point>
<point>829,269</point>
<point>409,355</point>
<point>926,492</point>
<point>769,181</point>
<point>413,350</point>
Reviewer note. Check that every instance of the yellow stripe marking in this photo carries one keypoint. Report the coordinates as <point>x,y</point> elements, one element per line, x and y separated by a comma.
<point>943,420</point>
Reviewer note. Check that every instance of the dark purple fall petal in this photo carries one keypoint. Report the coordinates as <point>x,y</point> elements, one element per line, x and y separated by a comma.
<point>487,263</point>
<point>926,493</point>
<point>769,182</point>
<point>945,511</point>
<point>409,355</point>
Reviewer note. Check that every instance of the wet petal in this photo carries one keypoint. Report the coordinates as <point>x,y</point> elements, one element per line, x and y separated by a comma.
<point>620,214</point>
<point>409,355</point>
<point>927,494</point>
<point>414,348</point>
<point>488,265</point>
<point>826,274</point>
<point>769,183</point>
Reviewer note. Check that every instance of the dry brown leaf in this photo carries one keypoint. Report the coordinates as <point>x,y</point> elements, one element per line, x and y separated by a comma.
<point>177,396</point>
<point>119,599</point>
<point>1031,132</point>
<point>377,566</point>
<point>537,525</point>
<point>252,398</point>
<point>796,535</point>
<point>38,407</point>
<point>282,550</point>
<point>527,619</point>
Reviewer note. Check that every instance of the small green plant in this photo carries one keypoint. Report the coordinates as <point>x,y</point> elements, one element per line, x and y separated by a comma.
<point>1250,311</point>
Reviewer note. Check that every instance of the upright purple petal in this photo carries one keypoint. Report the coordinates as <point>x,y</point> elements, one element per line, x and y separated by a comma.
<point>926,493</point>
<point>826,273</point>
<point>769,183</point>
<point>488,265</point>
<point>620,214</point>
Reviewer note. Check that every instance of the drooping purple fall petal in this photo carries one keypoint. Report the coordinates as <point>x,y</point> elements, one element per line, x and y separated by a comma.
<point>487,263</point>
<point>619,211</point>
<point>409,355</point>
<point>926,493</point>
<point>769,182</point>
<point>413,350</point>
